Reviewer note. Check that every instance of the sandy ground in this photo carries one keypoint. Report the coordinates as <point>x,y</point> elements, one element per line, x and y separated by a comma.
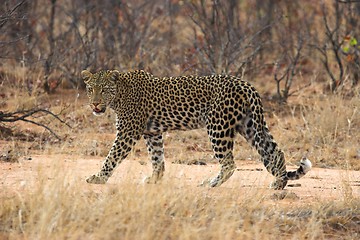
<point>318,184</point>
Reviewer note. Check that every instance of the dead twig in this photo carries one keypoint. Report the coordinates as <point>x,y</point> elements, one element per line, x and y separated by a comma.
<point>23,115</point>
<point>289,73</point>
<point>8,15</point>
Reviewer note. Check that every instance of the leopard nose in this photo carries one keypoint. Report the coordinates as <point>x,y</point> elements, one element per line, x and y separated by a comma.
<point>96,104</point>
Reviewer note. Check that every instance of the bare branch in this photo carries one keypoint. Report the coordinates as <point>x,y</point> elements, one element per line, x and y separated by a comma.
<point>332,37</point>
<point>4,19</point>
<point>24,114</point>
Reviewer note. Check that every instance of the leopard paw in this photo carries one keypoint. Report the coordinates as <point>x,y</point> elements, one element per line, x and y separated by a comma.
<point>151,180</point>
<point>278,184</point>
<point>212,182</point>
<point>95,179</point>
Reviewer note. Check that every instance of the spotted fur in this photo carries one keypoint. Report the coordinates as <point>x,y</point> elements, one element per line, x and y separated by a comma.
<point>147,106</point>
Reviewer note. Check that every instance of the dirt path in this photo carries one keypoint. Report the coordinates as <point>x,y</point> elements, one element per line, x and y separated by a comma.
<point>318,184</point>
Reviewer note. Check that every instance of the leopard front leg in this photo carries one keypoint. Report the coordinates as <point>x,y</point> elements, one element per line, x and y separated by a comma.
<point>120,149</point>
<point>155,146</point>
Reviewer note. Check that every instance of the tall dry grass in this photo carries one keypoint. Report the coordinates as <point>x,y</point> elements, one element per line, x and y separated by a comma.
<point>331,125</point>
<point>63,207</point>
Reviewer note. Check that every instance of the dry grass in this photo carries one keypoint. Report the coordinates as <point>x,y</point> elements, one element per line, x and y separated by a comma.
<point>332,125</point>
<point>65,208</point>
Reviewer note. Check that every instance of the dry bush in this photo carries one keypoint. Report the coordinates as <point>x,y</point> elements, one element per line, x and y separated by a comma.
<point>57,41</point>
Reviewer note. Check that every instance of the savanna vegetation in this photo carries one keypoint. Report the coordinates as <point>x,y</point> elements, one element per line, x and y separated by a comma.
<point>302,56</point>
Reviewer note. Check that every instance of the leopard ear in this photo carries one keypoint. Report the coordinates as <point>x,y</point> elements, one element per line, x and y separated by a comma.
<point>86,75</point>
<point>114,75</point>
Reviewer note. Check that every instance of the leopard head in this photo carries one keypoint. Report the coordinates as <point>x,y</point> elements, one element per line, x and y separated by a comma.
<point>101,89</point>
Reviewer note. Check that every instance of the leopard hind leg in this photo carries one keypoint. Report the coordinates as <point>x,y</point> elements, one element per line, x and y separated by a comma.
<point>222,141</point>
<point>256,132</point>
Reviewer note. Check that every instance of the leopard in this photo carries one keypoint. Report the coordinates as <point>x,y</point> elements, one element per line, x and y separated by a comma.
<point>148,106</point>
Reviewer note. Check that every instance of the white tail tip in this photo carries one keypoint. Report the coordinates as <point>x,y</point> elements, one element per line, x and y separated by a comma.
<point>306,164</point>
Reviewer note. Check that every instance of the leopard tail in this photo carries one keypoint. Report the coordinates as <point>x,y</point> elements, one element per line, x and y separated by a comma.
<point>305,166</point>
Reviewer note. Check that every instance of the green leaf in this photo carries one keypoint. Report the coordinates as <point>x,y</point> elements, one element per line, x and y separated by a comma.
<point>353,41</point>
<point>346,49</point>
